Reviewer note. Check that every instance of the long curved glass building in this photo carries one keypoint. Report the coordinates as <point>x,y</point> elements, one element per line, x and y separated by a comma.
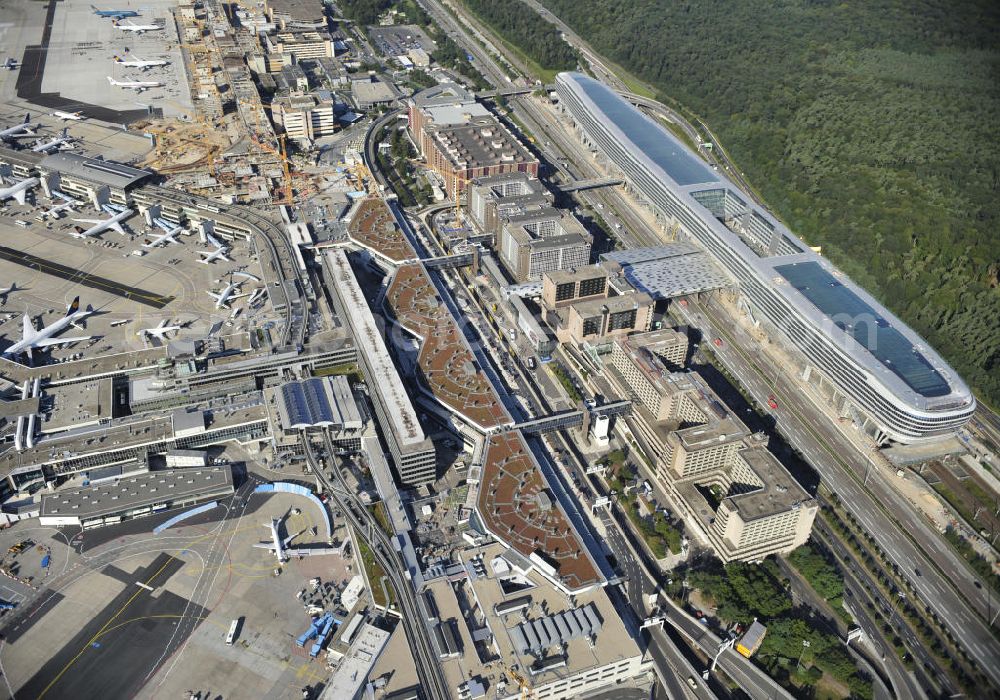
<point>879,371</point>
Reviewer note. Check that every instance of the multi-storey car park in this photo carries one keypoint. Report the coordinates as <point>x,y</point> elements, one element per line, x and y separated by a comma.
<point>877,370</point>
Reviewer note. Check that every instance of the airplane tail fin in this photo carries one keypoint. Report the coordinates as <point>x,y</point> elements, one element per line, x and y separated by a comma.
<point>27,117</point>
<point>74,307</point>
<point>65,131</point>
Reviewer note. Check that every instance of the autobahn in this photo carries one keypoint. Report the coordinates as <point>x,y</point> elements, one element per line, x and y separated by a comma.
<point>899,531</point>
<point>427,664</point>
<point>921,556</point>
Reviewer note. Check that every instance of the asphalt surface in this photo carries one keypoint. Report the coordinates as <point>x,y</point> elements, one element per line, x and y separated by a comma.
<point>32,71</point>
<point>128,634</point>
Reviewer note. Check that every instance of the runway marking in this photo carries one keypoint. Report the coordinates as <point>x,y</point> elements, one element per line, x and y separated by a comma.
<point>100,632</point>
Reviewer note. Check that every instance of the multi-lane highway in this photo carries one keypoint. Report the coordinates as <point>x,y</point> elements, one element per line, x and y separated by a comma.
<point>941,579</point>
<point>883,512</point>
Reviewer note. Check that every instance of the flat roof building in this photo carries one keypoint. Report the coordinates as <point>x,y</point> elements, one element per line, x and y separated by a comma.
<point>539,241</point>
<point>134,496</point>
<point>494,198</point>
<point>600,319</point>
<point>879,371</point>
<point>305,117</point>
<point>565,287</point>
<point>413,454</point>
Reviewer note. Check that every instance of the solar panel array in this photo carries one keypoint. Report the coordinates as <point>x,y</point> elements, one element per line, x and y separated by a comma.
<point>535,636</point>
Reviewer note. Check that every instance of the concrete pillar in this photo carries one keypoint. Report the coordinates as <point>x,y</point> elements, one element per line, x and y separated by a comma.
<point>50,183</point>
<point>153,211</point>
<point>100,197</point>
<point>206,228</point>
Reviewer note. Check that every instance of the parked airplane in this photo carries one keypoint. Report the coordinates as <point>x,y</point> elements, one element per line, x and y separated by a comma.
<point>118,215</point>
<point>137,28</point>
<point>216,242</point>
<point>164,239</point>
<point>55,144</point>
<point>70,116</point>
<point>25,128</point>
<point>159,331</point>
<point>213,255</point>
<point>223,298</point>
<point>4,291</point>
<point>279,547</point>
<point>115,14</point>
<point>139,63</point>
<point>18,190</point>
<point>32,339</point>
<point>68,204</point>
<point>137,85</point>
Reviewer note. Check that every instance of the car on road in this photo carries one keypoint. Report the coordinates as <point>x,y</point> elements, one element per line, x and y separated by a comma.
<point>717,342</point>
<point>691,682</point>
<point>772,402</point>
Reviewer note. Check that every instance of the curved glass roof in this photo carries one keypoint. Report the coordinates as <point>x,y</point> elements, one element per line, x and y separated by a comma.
<point>675,160</point>
<point>863,323</point>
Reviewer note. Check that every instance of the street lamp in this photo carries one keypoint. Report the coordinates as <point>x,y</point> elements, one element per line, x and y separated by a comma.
<point>805,645</point>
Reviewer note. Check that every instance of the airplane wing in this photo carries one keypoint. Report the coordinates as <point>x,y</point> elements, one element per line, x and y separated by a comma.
<point>117,227</point>
<point>90,221</point>
<point>46,342</point>
<point>20,196</point>
<point>265,545</point>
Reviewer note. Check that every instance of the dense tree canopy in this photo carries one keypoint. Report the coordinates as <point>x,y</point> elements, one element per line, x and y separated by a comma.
<point>871,128</point>
<point>537,38</point>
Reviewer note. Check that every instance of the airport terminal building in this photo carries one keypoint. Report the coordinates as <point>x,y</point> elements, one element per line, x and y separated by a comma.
<point>877,370</point>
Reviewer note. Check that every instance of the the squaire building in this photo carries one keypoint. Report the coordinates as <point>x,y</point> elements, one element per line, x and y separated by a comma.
<point>882,374</point>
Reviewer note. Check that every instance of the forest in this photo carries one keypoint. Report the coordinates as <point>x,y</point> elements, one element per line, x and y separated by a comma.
<point>539,40</point>
<point>871,129</point>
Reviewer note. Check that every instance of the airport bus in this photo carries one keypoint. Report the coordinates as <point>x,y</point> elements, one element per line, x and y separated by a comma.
<point>231,637</point>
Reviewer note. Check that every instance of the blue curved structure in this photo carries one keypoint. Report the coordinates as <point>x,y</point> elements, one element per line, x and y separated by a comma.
<point>184,516</point>
<point>298,490</point>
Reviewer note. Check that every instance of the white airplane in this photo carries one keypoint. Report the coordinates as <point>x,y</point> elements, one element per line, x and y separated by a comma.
<point>137,28</point>
<point>223,298</point>
<point>137,85</point>
<point>68,116</point>
<point>213,255</point>
<point>25,128</point>
<point>279,547</point>
<point>68,204</point>
<point>216,242</point>
<point>4,291</point>
<point>139,63</point>
<point>18,190</point>
<point>118,215</point>
<point>32,339</point>
<point>55,144</point>
<point>159,331</point>
<point>164,239</point>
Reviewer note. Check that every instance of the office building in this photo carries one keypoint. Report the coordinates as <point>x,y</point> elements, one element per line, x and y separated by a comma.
<point>537,242</point>
<point>564,287</point>
<point>599,319</point>
<point>875,369</point>
<point>304,117</point>
<point>303,46</point>
<point>699,447</point>
<point>492,199</point>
